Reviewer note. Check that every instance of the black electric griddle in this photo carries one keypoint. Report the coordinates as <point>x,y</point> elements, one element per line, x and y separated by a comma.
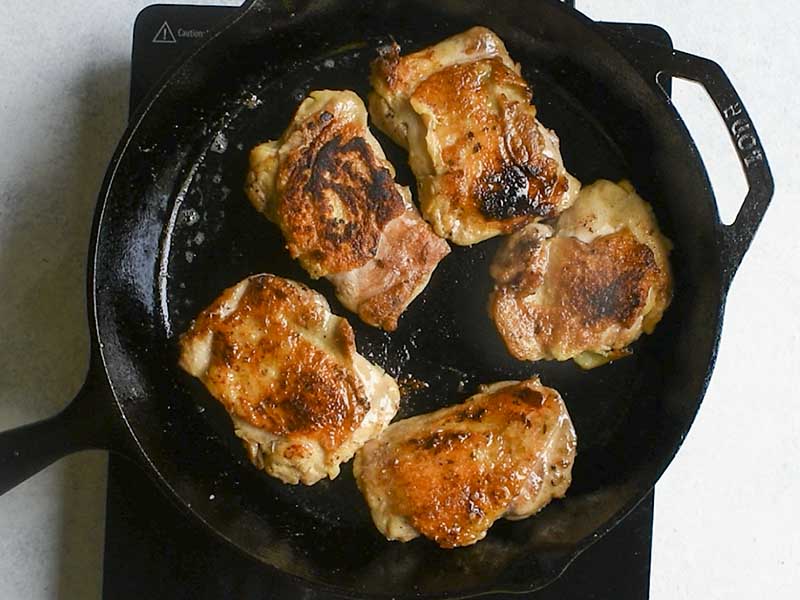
<point>152,550</point>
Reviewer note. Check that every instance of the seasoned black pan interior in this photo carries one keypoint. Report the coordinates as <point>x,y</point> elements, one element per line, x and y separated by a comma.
<point>177,229</point>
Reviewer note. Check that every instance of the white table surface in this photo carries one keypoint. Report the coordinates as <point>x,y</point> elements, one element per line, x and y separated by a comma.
<point>727,523</point>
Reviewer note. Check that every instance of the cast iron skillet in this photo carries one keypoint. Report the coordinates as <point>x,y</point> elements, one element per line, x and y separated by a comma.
<point>172,229</point>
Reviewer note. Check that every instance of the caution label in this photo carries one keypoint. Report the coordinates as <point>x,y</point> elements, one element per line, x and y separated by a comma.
<point>164,35</point>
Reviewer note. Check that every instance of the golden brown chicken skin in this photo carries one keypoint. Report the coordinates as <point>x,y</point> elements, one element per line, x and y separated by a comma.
<point>588,289</point>
<point>484,164</point>
<point>449,475</point>
<point>327,184</point>
<point>287,371</point>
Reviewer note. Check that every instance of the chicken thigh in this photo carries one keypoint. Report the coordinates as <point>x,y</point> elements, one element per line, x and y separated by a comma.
<point>484,164</point>
<point>449,475</point>
<point>329,187</point>
<point>286,369</point>
<point>589,290</point>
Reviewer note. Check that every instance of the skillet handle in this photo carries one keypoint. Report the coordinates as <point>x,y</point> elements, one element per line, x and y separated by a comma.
<point>736,237</point>
<point>87,422</point>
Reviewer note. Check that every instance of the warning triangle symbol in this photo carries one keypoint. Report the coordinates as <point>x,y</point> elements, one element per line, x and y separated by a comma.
<point>164,35</point>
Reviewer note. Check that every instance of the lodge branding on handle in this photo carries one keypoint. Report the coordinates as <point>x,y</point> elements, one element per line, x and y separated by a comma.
<point>742,130</point>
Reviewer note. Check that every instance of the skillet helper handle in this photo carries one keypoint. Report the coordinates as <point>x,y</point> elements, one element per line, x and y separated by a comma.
<point>85,423</point>
<point>736,237</point>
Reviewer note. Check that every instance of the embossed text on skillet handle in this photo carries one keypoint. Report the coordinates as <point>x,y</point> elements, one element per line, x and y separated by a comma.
<point>735,238</point>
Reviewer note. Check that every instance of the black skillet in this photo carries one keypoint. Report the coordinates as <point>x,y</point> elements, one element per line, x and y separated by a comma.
<point>172,229</point>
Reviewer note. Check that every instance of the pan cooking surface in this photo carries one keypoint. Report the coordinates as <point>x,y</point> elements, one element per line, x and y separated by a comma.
<point>445,345</point>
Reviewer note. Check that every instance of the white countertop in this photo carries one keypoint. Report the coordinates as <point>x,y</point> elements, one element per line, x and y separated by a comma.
<point>727,523</point>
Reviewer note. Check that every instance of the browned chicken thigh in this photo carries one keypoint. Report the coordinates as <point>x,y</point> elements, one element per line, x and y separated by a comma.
<point>484,164</point>
<point>589,289</point>
<point>449,475</point>
<point>301,398</point>
<point>329,187</point>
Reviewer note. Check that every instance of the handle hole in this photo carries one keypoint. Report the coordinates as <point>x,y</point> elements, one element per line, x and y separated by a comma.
<point>713,141</point>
